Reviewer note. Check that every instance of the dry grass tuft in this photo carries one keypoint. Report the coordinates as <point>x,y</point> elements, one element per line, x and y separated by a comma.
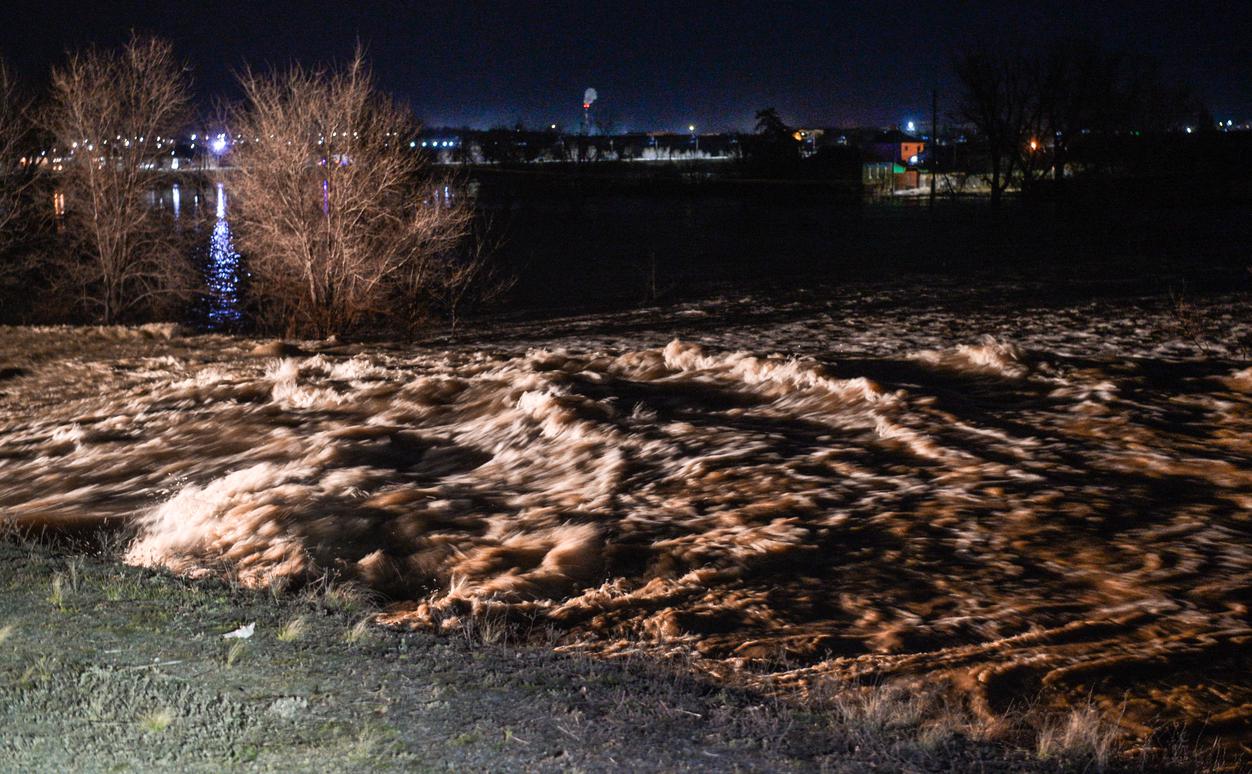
<point>156,721</point>
<point>75,568</point>
<point>882,708</point>
<point>293,630</point>
<point>57,594</point>
<point>486,629</point>
<point>361,632</point>
<point>39,671</point>
<point>120,586</point>
<point>1084,735</point>
<point>235,652</point>
<point>111,542</point>
<point>329,593</point>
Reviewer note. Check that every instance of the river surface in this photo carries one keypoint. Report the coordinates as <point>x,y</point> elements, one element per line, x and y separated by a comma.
<point>570,246</point>
<point>944,484</point>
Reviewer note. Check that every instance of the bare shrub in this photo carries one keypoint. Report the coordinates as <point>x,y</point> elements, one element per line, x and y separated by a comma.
<point>112,114</point>
<point>1212,326</point>
<point>1028,104</point>
<point>339,218</point>
<point>463,276</point>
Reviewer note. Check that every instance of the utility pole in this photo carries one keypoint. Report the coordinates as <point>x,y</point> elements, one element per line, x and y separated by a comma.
<point>934,142</point>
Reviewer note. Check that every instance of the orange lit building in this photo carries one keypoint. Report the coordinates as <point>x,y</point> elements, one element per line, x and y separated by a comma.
<point>897,147</point>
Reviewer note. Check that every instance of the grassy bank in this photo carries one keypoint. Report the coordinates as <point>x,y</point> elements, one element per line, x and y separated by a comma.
<point>112,668</point>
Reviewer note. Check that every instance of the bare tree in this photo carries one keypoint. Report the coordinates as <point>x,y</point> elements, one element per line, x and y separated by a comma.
<point>997,90</point>
<point>339,218</point>
<point>1030,105</point>
<point>1075,80</point>
<point>112,115</point>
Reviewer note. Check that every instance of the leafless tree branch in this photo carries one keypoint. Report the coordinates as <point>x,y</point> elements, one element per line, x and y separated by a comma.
<point>107,111</point>
<point>339,218</point>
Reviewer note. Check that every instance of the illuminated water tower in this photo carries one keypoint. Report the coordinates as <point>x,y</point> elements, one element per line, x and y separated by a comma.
<point>589,96</point>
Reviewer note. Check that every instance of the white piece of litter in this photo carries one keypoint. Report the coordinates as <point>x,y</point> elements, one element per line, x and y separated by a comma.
<point>242,633</point>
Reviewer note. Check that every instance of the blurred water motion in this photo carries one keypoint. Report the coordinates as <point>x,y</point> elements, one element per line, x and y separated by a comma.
<point>1058,514</point>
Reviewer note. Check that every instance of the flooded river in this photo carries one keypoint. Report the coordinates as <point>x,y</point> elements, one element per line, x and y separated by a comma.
<point>944,487</point>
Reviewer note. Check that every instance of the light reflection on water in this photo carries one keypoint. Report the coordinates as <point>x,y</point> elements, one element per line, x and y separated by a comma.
<point>220,264</point>
<point>222,269</point>
<point>221,307</point>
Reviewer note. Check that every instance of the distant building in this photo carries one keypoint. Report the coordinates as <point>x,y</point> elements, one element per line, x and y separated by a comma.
<point>809,140</point>
<point>897,147</point>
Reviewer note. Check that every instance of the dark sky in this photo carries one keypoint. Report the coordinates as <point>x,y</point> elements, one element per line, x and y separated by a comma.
<point>655,64</point>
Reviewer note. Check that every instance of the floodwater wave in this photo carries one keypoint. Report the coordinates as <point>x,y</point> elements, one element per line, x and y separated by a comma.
<point>1015,516</point>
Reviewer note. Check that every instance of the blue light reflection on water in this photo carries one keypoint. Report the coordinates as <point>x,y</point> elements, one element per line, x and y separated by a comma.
<point>222,270</point>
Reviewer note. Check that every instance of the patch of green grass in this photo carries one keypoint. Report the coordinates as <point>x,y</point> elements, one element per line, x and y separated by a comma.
<point>150,618</point>
<point>120,586</point>
<point>373,741</point>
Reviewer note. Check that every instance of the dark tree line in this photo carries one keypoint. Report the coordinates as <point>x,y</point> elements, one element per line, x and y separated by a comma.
<point>1032,106</point>
<point>20,232</point>
<point>773,151</point>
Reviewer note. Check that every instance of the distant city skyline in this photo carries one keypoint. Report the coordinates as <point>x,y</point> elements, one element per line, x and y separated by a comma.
<point>654,66</point>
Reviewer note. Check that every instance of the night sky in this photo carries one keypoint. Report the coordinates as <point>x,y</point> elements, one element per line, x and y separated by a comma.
<point>656,65</point>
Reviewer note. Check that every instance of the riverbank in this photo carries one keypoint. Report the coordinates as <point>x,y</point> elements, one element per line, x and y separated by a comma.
<point>105,667</point>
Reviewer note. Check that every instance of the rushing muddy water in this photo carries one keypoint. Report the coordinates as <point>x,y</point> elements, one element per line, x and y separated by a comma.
<point>861,487</point>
